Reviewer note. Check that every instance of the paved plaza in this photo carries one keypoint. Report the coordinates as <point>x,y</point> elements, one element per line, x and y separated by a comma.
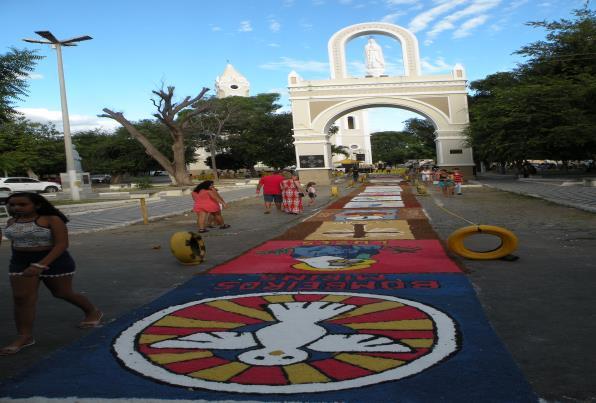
<point>570,192</point>
<point>531,303</point>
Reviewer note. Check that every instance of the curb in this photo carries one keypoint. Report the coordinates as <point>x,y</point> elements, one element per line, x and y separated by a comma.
<point>140,220</point>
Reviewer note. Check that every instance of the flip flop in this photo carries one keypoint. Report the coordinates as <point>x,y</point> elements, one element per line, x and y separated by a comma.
<point>225,226</point>
<point>91,323</point>
<point>14,350</point>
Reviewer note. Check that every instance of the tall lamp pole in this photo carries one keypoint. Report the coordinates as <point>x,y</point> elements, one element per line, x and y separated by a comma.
<point>70,166</point>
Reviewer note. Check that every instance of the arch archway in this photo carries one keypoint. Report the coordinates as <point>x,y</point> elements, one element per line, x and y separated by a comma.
<point>316,104</point>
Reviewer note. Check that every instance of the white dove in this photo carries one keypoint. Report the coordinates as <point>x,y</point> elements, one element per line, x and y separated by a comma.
<point>283,342</point>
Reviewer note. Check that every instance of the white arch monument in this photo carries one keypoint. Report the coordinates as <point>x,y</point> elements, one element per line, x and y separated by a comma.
<point>316,104</point>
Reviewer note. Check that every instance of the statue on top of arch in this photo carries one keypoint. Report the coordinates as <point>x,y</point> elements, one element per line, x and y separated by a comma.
<point>375,62</point>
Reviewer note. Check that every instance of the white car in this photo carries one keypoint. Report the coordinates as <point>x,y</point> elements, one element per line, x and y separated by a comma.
<point>24,184</point>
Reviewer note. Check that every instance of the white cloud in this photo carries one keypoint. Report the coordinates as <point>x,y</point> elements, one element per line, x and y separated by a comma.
<point>307,26</point>
<point>288,3</point>
<point>439,65</point>
<point>274,25</point>
<point>283,91</point>
<point>318,2</point>
<point>400,2</point>
<point>467,26</point>
<point>34,76</point>
<point>422,20</point>
<point>77,122</point>
<point>391,17</point>
<point>448,23</point>
<point>345,2</point>
<point>515,4</point>
<point>215,28</point>
<point>287,63</point>
<point>245,26</point>
<point>273,45</point>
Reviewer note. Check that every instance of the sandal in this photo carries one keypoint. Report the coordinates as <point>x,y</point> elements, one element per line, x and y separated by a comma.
<point>10,350</point>
<point>224,226</point>
<point>91,323</point>
<point>203,230</point>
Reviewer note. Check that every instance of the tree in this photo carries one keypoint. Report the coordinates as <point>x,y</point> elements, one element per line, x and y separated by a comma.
<point>216,118</point>
<point>546,108</point>
<point>424,131</point>
<point>175,117</point>
<point>118,153</point>
<point>30,148</point>
<point>15,67</point>
<point>343,150</point>
<point>247,129</point>
<point>396,147</point>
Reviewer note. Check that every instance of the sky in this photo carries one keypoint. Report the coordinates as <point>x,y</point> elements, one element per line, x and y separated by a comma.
<point>139,44</point>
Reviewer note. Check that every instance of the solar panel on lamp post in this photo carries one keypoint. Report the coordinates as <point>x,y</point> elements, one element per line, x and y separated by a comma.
<point>57,44</point>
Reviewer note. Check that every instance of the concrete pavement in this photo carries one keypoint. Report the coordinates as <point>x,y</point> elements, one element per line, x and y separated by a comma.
<point>123,268</point>
<point>563,192</point>
<point>543,305</point>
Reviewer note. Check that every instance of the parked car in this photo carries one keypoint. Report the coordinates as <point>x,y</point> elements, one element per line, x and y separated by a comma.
<point>158,173</point>
<point>101,178</point>
<point>24,184</point>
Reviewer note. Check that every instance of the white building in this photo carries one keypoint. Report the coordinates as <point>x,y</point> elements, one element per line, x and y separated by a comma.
<point>230,83</point>
<point>354,134</point>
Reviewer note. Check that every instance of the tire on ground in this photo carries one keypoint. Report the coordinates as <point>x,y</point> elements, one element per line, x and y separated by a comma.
<point>509,242</point>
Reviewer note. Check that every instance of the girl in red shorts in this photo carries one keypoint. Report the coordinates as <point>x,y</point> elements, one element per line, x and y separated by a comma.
<point>207,201</point>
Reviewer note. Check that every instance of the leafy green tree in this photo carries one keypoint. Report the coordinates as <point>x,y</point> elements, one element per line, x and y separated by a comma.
<point>118,154</point>
<point>247,129</point>
<point>30,148</point>
<point>424,131</point>
<point>396,147</point>
<point>15,66</point>
<point>343,150</point>
<point>546,108</point>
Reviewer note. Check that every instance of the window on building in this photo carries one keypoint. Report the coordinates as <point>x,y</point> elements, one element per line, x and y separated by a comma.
<point>351,124</point>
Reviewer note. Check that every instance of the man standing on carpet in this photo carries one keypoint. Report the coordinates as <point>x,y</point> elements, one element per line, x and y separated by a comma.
<point>271,190</point>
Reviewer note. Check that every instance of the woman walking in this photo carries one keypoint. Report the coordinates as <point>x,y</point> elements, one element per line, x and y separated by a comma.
<point>39,239</point>
<point>208,201</point>
<point>291,194</point>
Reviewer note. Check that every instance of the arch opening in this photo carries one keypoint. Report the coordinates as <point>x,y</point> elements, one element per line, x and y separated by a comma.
<point>391,135</point>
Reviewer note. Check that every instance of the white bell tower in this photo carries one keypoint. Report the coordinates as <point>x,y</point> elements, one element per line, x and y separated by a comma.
<point>231,83</point>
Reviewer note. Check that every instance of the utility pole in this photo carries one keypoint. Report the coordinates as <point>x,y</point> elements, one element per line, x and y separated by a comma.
<point>57,44</point>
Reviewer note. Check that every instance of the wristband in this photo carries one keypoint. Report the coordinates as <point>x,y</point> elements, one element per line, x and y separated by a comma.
<point>40,266</point>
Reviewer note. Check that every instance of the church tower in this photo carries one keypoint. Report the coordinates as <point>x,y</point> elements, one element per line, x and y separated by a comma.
<point>231,83</point>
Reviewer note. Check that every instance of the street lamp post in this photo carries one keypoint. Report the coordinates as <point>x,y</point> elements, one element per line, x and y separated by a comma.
<point>70,165</point>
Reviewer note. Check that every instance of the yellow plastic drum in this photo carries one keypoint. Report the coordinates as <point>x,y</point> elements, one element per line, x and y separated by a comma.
<point>188,247</point>
<point>455,242</point>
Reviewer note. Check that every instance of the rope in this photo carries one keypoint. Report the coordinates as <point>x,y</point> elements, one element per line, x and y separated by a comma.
<point>442,207</point>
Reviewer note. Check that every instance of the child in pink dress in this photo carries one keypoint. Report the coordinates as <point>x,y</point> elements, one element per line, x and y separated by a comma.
<point>207,201</point>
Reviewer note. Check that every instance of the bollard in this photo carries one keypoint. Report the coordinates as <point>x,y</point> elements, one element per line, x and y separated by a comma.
<point>144,210</point>
<point>334,191</point>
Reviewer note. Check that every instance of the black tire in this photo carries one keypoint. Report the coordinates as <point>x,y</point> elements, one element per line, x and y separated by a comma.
<point>51,189</point>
